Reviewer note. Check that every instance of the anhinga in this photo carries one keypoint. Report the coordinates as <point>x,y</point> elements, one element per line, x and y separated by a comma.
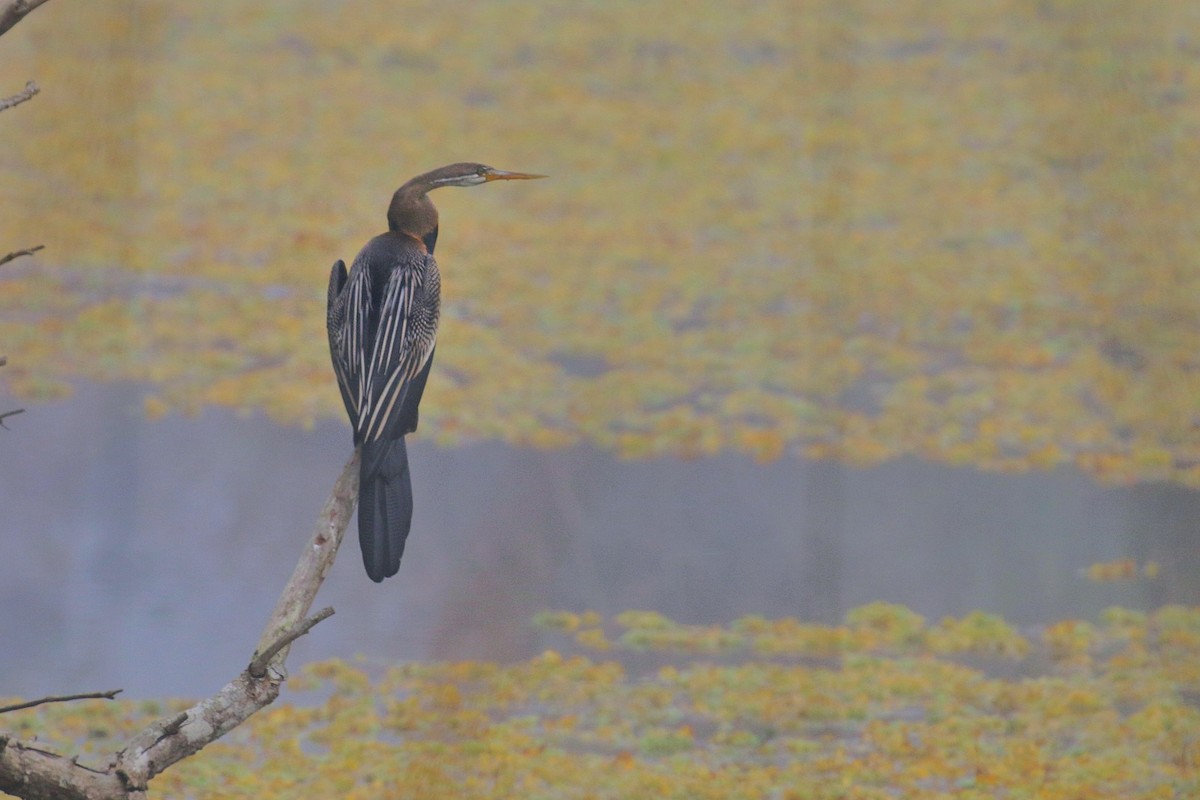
<point>382,321</point>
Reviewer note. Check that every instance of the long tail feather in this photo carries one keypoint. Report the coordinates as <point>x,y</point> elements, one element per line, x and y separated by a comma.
<point>385,506</point>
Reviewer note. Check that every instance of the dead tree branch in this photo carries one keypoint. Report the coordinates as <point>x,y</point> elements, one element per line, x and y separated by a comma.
<point>109,695</point>
<point>258,667</point>
<point>14,11</point>
<point>29,91</point>
<point>18,253</point>
<point>6,414</point>
<point>314,562</point>
<point>36,775</point>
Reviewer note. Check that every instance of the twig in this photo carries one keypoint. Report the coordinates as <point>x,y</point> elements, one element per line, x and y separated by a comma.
<point>29,91</point>
<point>258,667</point>
<point>172,726</point>
<point>3,416</point>
<point>18,253</point>
<point>14,11</point>
<point>109,695</point>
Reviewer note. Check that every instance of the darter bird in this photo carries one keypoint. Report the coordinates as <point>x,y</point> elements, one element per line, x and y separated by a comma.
<point>382,321</point>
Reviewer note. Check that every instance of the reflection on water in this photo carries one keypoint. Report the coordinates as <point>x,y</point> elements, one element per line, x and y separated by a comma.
<point>147,555</point>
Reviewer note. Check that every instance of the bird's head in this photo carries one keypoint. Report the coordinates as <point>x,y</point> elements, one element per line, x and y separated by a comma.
<point>411,210</point>
<point>468,174</point>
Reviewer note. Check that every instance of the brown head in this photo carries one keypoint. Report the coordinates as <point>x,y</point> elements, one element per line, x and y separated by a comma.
<point>412,211</point>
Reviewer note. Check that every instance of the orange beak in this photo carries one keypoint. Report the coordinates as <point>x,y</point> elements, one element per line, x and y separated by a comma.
<point>502,175</point>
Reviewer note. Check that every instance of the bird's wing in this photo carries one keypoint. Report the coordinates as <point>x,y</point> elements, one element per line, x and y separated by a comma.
<point>350,336</point>
<point>403,343</point>
<point>335,325</point>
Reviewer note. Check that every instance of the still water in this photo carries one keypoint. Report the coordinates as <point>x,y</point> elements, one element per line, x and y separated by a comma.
<point>147,555</point>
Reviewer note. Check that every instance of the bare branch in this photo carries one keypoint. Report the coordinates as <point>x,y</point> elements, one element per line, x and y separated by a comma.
<point>18,253</point>
<point>37,775</point>
<point>29,91</point>
<point>3,416</point>
<point>258,667</point>
<point>14,11</point>
<point>109,695</point>
<point>34,775</point>
<point>314,562</point>
<point>150,752</point>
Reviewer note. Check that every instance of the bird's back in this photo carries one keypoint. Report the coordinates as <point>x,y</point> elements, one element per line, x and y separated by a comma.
<point>383,321</point>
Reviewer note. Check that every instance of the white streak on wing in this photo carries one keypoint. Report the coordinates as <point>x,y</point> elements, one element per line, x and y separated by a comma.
<point>390,360</point>
<point>355,297</point>
<point>378,365</point>
<point>396,388</point>
<point>357,315</point>
<point>395,314</point>
<point>387,398</point>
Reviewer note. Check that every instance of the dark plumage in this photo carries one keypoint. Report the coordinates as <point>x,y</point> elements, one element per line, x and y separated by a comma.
<point>382,321</point>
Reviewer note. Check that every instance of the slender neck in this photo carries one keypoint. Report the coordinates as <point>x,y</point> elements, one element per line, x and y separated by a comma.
<point>411,210</point>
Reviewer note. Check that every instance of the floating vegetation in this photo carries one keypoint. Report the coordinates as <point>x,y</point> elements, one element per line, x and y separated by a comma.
<point>1123,569</point>
<point>966,234</point>
<point>886,705</point>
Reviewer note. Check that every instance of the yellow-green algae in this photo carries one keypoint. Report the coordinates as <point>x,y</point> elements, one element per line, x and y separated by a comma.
<point>886,705</point>
<point>842,229</point>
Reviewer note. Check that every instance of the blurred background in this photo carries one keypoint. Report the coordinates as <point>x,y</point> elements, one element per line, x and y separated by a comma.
<point>824,303</point>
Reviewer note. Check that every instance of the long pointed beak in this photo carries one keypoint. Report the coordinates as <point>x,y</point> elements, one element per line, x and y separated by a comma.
<point>502,175</point>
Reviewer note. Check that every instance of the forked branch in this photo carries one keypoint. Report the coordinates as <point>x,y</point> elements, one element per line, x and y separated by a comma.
<point>36,774</point>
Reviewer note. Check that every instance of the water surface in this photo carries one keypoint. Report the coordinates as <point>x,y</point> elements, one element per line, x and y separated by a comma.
<point>147,555</point>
